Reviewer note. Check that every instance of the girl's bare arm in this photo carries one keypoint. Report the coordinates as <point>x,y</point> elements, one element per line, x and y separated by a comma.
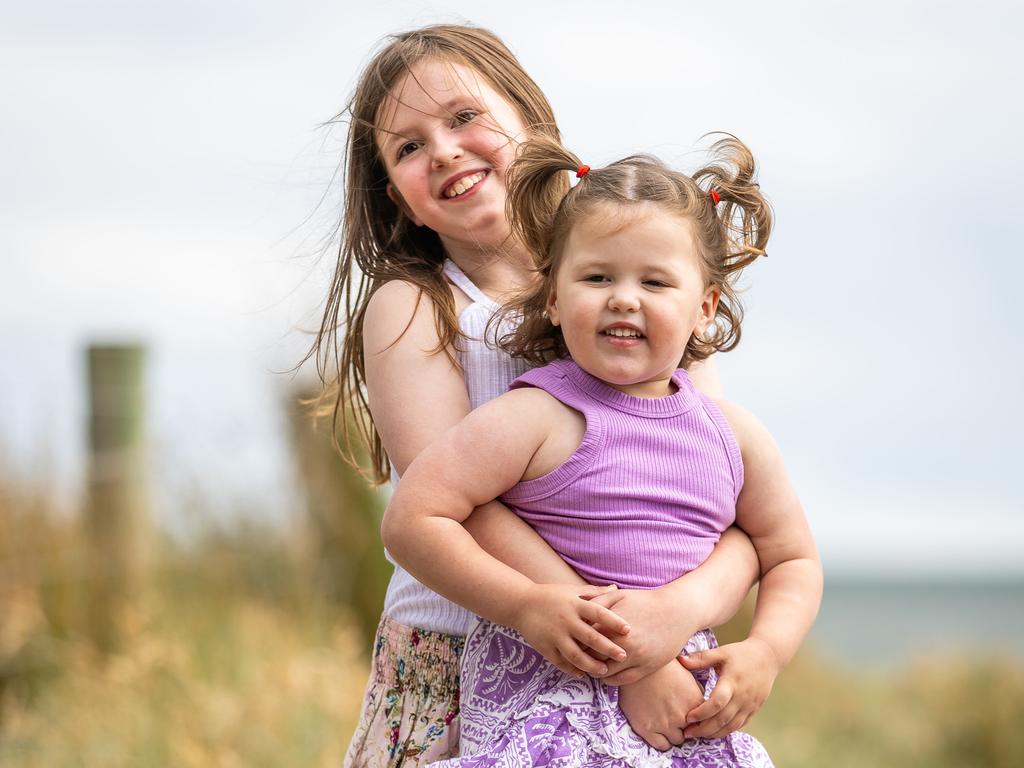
<point>770,512</point>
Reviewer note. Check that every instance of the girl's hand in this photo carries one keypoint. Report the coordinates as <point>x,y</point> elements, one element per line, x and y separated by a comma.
<point>746,673</point>
<point>655,639</point>
<point>656,707</point>
<point>557,620</point>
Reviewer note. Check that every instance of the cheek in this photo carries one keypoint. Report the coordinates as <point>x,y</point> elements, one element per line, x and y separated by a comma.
<point>411,183</point>
<point>496,145</point>
<point>579,317</point>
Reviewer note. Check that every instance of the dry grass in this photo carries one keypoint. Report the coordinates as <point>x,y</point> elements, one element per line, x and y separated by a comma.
<point>937,714</point>
<point>223,661</point>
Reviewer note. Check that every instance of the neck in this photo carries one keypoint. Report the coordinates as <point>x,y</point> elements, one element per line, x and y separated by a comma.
<point>655,388</point>
<point>497,271</point>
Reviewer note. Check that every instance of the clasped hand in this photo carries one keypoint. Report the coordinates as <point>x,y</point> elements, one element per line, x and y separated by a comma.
<point>746,673</point>
<point>561,622</point>
<point>655,638</point>
<point>627,638</point>
<point>619,635</point>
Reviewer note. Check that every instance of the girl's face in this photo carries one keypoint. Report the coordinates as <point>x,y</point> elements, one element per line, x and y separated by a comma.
<point>629,293</point>
<point>447,138</point>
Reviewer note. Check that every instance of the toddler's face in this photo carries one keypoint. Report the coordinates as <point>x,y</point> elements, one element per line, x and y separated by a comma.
<point>447,138</point>
<point>629,293</point>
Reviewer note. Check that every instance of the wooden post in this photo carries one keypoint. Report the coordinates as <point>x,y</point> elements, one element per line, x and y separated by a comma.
<point>116,512</point>
<point>343,549</point>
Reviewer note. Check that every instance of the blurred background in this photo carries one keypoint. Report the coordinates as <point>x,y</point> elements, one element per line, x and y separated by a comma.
<point>188,574</point>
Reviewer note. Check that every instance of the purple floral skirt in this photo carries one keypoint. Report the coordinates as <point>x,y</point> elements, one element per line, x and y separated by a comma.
<point>520,711</point>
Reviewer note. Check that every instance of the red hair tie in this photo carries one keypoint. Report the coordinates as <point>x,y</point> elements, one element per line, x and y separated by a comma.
<point>582,171</point>
<point>715,197</point>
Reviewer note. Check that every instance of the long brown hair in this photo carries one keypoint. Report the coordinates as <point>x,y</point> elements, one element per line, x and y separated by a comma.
<point>378,242</point>
<point>731,231</point>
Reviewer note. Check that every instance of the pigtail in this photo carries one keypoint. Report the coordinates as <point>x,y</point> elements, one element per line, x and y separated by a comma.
<point>735,233</point>
<point>744,212</point>
<point>537,186</point>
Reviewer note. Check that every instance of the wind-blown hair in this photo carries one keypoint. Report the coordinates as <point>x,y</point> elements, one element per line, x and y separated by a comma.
<point>729,234</point>
<point>378,242</point>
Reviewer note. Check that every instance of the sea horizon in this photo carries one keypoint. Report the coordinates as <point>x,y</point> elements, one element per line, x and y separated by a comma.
<point>886,620</point>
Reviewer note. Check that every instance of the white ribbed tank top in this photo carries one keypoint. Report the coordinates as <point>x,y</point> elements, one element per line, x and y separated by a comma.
<point>488,372</point>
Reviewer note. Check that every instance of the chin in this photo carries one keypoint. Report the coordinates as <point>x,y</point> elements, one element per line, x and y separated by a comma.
<point>623,380</point>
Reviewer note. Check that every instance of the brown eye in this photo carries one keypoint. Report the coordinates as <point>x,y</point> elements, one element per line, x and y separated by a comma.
<point>464,116</point>
<point>405,149</point>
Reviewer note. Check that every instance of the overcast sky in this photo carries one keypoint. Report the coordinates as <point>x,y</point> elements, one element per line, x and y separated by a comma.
<point>165,180</point>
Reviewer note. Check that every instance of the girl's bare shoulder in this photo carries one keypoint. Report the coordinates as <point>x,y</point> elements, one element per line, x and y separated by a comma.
<point>751,435</point>
<point>399,311</point>
<point>557,430</point>
<point>527,403</point>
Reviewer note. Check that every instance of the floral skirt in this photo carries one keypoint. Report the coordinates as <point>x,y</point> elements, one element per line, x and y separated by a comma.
<point>519,711</point>
<point>411,706</point>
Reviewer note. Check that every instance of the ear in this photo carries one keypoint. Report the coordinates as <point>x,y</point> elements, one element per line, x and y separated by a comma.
<point>552,307</point>
<point>708,308</point>
<point>397,199</point>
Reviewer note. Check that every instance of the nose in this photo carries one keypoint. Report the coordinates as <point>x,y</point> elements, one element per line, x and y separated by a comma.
<point>624,298</point>
<point>445,149</point>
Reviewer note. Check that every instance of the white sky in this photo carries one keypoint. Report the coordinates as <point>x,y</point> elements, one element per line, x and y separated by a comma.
<point>162,176</point>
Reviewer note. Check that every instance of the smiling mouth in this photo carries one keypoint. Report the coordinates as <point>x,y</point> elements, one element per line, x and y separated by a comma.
<point>463,185</point>
<point>622,333</point>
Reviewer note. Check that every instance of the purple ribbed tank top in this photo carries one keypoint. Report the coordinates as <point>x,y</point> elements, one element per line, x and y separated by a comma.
<point>649,490</point>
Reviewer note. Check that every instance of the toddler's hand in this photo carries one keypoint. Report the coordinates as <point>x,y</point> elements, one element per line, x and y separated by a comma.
<point>557,619</point>
<point>654,640</point>
<point>656,706</point>
<point>746,673</point>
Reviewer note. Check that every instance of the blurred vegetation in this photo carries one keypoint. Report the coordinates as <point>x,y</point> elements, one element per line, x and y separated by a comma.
<point>227,657</point>
<point>248,646</point>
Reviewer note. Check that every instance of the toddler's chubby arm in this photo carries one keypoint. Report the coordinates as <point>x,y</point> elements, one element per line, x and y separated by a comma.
<point>791,584</point>
<point>470,464</point>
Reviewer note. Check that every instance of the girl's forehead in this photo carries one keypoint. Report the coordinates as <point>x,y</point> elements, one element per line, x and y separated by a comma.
<point>637,232</point>
<point>607,218</point>
<point>432,87</point>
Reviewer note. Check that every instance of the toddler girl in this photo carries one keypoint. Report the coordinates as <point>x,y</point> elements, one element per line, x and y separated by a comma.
<point>611,454</point>
<point>426,257</point>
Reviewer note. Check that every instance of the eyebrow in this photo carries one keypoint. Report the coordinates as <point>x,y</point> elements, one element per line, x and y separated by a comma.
<point>590,262</point>
<point>448,106</point>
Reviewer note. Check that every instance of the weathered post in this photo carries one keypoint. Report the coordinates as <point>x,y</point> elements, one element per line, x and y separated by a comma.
<point>116,510</point>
